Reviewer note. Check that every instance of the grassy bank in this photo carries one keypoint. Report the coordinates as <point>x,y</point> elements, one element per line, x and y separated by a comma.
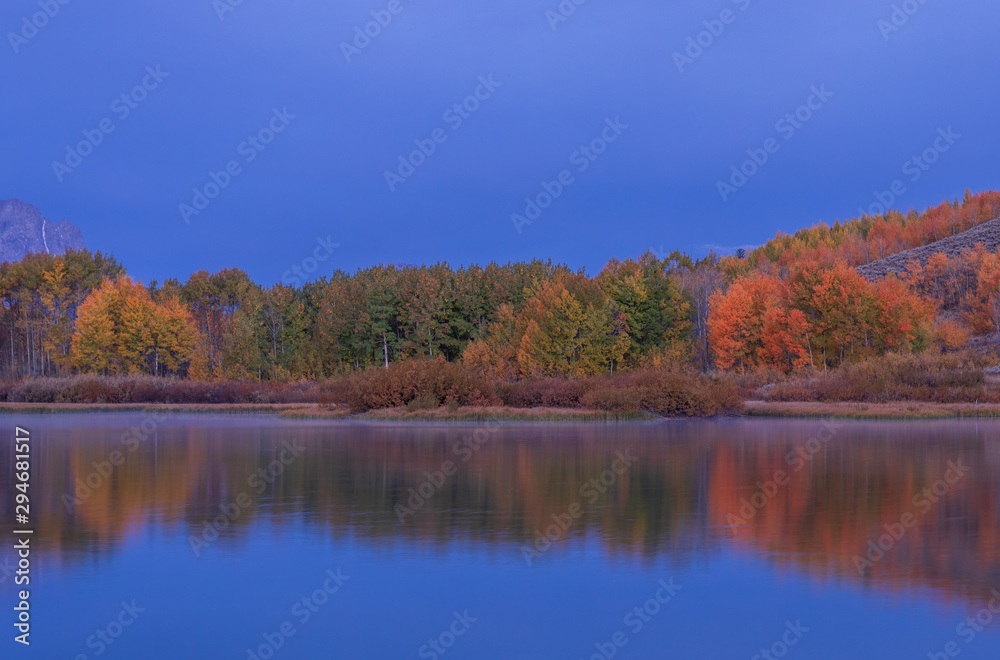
<point>854,410</point>
<point>316,411</point>
<point>212,408</point>
<point>468,414</point>
<point>899,410</point>
<point>505,414</point>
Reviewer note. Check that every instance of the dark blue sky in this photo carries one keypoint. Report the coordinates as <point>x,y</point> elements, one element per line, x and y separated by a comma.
<point>324,173</point>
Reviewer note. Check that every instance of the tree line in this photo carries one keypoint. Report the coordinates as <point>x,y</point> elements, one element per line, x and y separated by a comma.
<point>792,303</point>
<point>82,313</point>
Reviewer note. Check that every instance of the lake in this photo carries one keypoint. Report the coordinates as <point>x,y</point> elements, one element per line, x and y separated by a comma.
<point>182,536</point>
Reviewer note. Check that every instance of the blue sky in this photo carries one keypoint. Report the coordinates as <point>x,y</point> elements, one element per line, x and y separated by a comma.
<point>556,86</point>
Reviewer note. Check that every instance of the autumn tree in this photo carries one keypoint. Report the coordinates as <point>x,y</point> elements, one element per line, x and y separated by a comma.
<point>646,296</point>
<point>820,316</point>
<point>495,355</point>
<point>736,322</point>
<point>213,299</point>
<point>698,282</point>
<point>120,330</point>
<point>94,342</point>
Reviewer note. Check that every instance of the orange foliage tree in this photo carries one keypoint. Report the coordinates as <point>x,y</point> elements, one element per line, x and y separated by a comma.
<point>120,330</point>
<point>867,238</point>
<point>983,300</point>
<point>819,316</point>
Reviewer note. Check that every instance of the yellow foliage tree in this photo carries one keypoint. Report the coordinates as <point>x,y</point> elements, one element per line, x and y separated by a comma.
<point>120,330</point>
<point>54,294</point>
<point>94,340</point>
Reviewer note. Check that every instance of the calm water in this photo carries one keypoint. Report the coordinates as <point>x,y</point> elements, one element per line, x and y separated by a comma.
<point>708,539</point>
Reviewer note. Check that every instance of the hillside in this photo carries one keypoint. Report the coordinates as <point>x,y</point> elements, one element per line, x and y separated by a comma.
<point>23,230</point>
<point>987,233</point>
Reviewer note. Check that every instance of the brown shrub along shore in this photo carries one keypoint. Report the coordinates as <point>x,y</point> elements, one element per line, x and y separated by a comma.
<point>949,378</point>
<point>152,389</point>
<point>415,385</point>
<point>436,389</point>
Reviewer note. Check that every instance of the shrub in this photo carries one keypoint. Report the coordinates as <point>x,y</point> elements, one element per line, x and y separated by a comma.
<point>423,402</point>
<point>951,335</point>
<point>151,389</point>
<point>544,392</point>
<point>941,378</point>
<point>666,393</point>
<point>675,394</point>
<point>417,384</point>
<point>404,382</point>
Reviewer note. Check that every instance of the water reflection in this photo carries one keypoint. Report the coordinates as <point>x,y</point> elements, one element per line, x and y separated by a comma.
<point>688,495</point>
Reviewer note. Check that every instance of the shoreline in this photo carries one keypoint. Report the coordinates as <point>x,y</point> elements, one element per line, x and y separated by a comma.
<point>900,410</point>
<point>315,411</point>
<point>206,408</point>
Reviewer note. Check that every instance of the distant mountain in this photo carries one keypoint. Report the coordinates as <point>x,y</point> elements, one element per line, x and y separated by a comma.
<point>987,233</point>
<point>24,230</point>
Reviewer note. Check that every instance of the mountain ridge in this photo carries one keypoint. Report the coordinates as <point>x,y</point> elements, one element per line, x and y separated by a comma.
<point>24,230</point>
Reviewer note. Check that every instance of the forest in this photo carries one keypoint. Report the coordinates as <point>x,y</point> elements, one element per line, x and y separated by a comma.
<point>795,304</point>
